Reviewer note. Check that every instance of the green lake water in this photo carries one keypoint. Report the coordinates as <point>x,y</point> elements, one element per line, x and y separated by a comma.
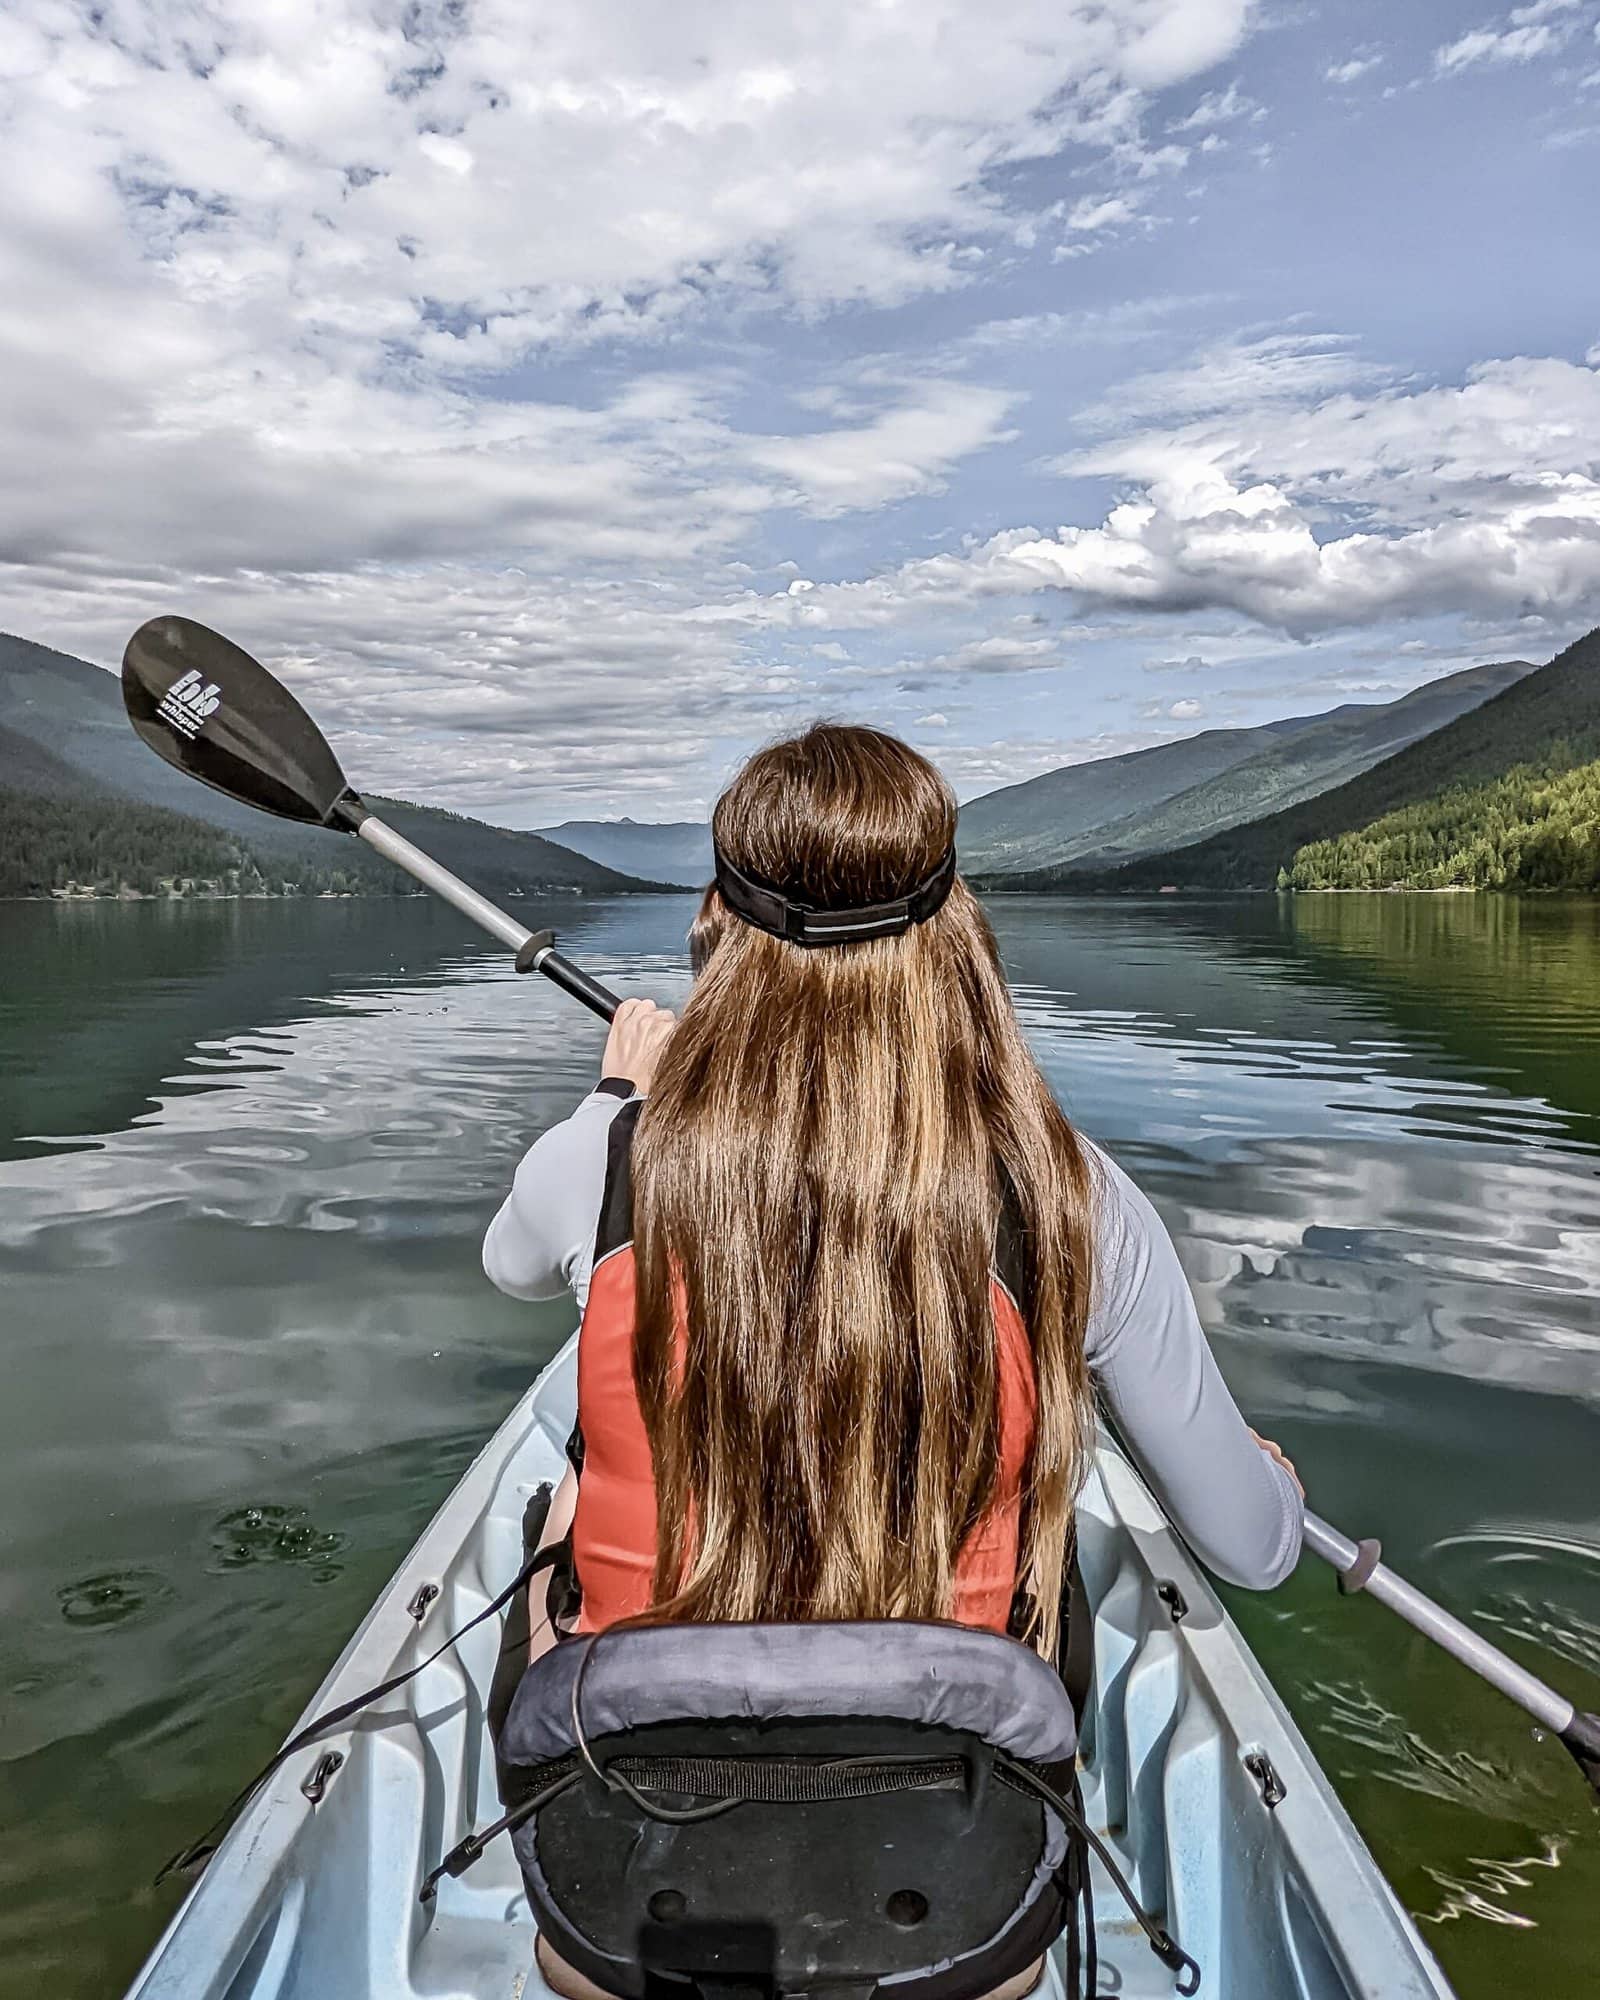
<point>247,1152</point>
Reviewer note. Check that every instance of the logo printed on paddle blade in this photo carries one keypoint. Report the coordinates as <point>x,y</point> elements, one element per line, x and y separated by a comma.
<point>188,702</point>
<point>206,706</point>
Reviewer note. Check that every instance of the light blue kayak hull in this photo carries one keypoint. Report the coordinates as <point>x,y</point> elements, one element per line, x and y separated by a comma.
<point>319,1902</point>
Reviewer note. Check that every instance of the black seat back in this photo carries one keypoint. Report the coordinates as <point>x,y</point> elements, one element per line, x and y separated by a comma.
<point>802,1809</point>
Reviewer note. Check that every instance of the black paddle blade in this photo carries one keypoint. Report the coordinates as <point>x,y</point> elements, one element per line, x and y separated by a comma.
<point>202,703</point>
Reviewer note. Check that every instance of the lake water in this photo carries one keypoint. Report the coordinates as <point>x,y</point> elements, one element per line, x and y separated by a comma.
<point>246,1154</point>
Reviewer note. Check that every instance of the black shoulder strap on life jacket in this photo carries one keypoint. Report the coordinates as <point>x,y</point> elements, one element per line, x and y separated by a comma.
<point>615,1227</point>
<point>1010,1250</point>
<point>614,1230</point>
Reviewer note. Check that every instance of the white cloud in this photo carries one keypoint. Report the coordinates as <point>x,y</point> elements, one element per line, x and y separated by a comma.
<point>1352,69</point>
<point>1096,212</point>
<point>286,295</point>
<point>1118,324</point>
<point>451,182</point>
<point>1526,32</point>
<point>1187,710</point>
<point>465,685</point>
<point>1002,653</point>
<point>1481,499</point>
<point>1220,107</point>
<point>906,449</point>
<point>427,345</point>
<point>978,768</point>
<point>933,721</point>
<point>1484,498</point>
<point>1233,374</point>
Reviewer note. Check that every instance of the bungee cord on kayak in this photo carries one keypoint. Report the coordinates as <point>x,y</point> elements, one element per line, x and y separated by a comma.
<point>638,1541</point>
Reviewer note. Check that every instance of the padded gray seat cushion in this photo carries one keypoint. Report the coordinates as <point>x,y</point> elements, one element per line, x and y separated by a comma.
<point>950,1675</point>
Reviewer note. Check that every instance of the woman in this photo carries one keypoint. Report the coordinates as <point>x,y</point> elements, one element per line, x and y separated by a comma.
<point>850,1278</point>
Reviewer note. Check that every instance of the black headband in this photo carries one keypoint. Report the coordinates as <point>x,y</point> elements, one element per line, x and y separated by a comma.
<point>769,909</point>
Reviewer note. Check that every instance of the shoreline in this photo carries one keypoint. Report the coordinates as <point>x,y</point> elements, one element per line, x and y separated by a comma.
<point>66,896</point>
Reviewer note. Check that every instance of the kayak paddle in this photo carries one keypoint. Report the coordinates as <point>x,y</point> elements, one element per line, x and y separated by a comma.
<point>1360,1567</point>
<point>208,708</point>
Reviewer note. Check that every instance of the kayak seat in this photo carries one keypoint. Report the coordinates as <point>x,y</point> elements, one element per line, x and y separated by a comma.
<point>837,1810</point>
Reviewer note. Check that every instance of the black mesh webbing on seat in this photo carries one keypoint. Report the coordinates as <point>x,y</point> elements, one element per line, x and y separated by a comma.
<point>788,1780</point>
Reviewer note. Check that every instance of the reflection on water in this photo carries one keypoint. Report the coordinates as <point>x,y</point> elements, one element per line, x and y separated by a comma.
<point>1486,1891</point>
<point>246,1153</point>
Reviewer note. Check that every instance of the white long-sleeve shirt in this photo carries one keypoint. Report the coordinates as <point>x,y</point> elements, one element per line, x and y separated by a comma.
<point>1238,1510</point>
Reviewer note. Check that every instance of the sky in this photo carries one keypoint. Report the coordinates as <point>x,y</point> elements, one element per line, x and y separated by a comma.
<point>567,399</point>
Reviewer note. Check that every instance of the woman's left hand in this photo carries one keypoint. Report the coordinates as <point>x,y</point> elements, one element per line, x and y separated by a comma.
<point>1276,1451</point>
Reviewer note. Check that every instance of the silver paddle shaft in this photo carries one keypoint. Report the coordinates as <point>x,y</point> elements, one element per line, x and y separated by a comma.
<point>1553,1710</point>
<point>396,848</point>
<point>534,950</point>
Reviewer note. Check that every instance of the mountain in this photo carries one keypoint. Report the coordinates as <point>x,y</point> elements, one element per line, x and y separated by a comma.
<point>1060,813</point>
<point>72,773</point>
<point>667,851</point>
<point>1101,814</point>
<point>1329,751</point>
<point>1547,722</point>
<point>28,766</point>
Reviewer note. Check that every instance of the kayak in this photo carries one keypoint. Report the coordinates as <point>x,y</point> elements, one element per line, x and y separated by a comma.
<point>1192,1772</point>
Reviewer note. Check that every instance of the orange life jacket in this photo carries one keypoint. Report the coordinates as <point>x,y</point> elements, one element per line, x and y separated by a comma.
<point>614,1529</point>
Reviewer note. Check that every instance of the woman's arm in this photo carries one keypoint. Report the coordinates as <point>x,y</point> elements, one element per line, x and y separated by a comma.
<point>541,1243</point>
<point>1237,1507</point>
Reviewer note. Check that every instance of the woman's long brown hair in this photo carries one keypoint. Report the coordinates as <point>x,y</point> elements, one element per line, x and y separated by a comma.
<point>817,1185</point>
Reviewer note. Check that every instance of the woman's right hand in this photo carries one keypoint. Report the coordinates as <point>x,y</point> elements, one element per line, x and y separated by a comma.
<point>639,1033</point>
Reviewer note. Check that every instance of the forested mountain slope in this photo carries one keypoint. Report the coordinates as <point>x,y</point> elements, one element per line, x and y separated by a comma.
<point>1099,814</point>
<point>1329,751</point>
<point>1549,721</point>
<point>1538,827</point>
<point>1047,819</point>
<point>83,801</point>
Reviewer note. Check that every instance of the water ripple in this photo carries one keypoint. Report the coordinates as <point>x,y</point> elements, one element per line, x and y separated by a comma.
<point>274,1534</point>
<point>113,1597</point>
<point>1485,1893</point>
<point>1399,1754</point>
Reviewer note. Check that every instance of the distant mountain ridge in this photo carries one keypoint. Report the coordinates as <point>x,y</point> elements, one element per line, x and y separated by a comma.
<point>1223,809</point>
<point>677,851</point>
<point>71,767</point>
<point>1548,719</point>
<point>1046,819</point>
<point>1300,764</point>
<point>1098,815</point>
